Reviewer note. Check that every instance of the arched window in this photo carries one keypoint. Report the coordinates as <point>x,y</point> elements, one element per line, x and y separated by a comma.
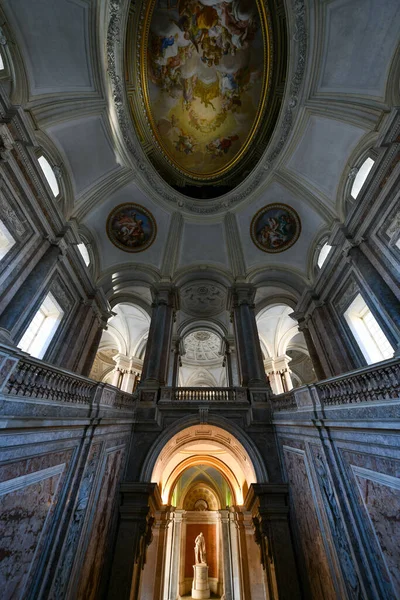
<point>84,253</point>
<point>323,254</point>
<point>362,174</point>
<point>48,172</point>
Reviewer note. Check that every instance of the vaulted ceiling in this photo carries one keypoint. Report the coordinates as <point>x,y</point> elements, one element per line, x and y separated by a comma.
<point>69,71</point>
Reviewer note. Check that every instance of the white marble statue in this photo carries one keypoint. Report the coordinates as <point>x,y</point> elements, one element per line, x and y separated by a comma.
<point>200,549</point>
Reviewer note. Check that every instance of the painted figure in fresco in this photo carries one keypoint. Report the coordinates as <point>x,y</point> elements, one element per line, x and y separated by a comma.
<point>204,67</point>
<point>130,230</point>
<point>221,146</point>
<point>200,550</point>
<point>185,143</point>
<point>276,232</point>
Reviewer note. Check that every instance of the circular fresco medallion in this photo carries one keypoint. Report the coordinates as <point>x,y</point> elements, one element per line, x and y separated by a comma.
<point>205,72</point>
<point>131,227</point>
<point>275,228</point>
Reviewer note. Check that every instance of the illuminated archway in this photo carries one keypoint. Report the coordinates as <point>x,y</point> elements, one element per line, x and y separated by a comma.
<point>203,444</point>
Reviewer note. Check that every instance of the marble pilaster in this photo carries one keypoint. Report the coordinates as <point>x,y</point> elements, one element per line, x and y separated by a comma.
<point>269,506</point>
<point>138,502</point>
<point>227,554</point>
<point>374,280</point>
<point>30,288</point>
<point>303,327</point>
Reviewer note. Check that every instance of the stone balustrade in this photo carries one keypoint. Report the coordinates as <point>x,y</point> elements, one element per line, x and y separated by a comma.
<point>198,394</point>
<point>285,401</point>
<point>24,376</point>
<point>379,382</point>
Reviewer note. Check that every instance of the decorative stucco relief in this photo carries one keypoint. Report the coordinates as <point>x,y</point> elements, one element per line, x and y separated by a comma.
<point>203,299</point>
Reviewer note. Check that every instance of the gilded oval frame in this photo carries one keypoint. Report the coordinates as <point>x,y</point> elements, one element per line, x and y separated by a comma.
<point>266,27</point>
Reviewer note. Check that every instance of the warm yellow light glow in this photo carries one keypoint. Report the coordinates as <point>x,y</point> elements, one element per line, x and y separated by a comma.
<point>204,445</point>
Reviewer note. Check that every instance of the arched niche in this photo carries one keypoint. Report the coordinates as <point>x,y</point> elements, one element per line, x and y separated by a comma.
<point>226,448</point>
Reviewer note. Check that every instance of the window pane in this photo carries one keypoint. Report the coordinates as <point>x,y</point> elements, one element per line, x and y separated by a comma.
<point>49,174</point>
<point>42,328</point>
<point>323,255</point>
<point>361,176</point>
<point>1,63</point>
<point>85,254</point>
<point>369,335</point>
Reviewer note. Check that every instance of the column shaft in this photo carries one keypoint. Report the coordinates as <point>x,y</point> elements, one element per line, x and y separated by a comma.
<point>28,290</point>
<point>91,355</point>
<point>155,365</point>
<point>319,371</point>
<point>247,339</point>
<point>387,299</point>
<point>227,554</point>
<point>336,351</point>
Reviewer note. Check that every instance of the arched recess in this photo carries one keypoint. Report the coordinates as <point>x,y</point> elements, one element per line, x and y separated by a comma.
<point>239,448</point>
<point>201,459</point>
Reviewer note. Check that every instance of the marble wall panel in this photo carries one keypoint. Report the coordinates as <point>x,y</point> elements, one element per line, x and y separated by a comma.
<point>381,499</point>
<point>69,552</point>
<point>30,491</point>
<point>99,536</point>
<point>320,581</point>
<point>337,528</point>
<point>375,484</point>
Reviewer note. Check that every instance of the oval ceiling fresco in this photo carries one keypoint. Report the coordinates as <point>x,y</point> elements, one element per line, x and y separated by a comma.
<point>206,70</point>
<point>205,82</point>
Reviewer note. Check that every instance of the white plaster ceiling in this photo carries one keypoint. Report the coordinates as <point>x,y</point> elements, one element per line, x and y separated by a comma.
<point>127,330</point>
<point>202,347</point>
<point>278,331</point>
<point>346,92</point>
<point>54,39</point>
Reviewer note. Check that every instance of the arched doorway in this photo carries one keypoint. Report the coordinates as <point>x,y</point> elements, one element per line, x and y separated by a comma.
<point>204,474</point>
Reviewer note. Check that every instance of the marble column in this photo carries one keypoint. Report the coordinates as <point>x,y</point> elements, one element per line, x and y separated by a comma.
<point>21,301</point>
<point>236,559</point>
<point>227,554</point>
<point>336,352</point>
<point>282,366</point>
<point>274,376</point>
<point>318,369</point>
<point>94,346</point>
<point>247,340</point>
<point>382,292</point>
<point>116,377</point>
<point>155,365</point>
<point>128,381</point>
<point>269,506</point>
<point>68,347</point>
<point>174,363</point>
<point>173,592</point>
<point>138,501</point>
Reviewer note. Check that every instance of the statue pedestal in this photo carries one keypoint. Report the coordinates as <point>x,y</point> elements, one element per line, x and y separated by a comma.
<point>200,587</point>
